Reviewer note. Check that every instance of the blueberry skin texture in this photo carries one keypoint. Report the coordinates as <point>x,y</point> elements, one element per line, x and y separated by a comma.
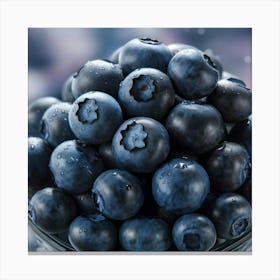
<point>52,209</point>
<point>232,99</point>
<point>228,167</point>
<point>196,127</point>
<point>180,186</point>
<point>39,152</point>
<point>193,74</point>
<point>145,89</point>
<point>144,53</point>
<point>145,234</point>
<point>75,166</point>
<point>194,232</point>
<point>97,75</point>
<point>241,133</point>
<point>55,128</point>
<point>231,215</point>
<point>36,111</point>
<point>92,233</point>
<point>66,92</point>
<point>118,194</point>
<point>140,145</point>
<point>94,117</point>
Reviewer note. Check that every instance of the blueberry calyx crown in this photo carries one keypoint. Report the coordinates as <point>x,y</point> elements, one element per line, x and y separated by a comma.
<point>209,61</point>
<point>133,136</point>
<point>32,214</point>
<point>150,41</point>
<point>78,72</point>
<point>238,82</point>
<point>143,88</point>
<point>239,226</point>
<point>87,112</point>
<point>181,165</point>
<point>192,240</point>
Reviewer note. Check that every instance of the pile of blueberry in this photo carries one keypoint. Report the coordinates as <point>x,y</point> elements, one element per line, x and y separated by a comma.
<point>147,151</point>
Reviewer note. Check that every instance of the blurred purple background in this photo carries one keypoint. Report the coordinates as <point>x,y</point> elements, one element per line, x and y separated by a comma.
<point>56,53</point>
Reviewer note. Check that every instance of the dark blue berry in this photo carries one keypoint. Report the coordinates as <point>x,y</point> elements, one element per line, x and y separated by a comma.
<point>143,53</point>
<point>97,75</point>
<point>92,233</point>
<point>75,166</point>
<point>94,117</point>
<point>193,73</point>
<point>140,145</point>
<point>194,232</point>
<point>145,234</point>
<point>145,89</point>
<point>118,194</point>
<point>52,209</point>
<point>180,186</point>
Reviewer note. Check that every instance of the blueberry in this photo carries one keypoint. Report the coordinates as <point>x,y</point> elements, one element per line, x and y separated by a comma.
<point>231,215</point>
<point>55,128</point>
<point>39,152</point>
<point>75,166</point>
<point>92,233</point>
<point>196,127</point>
<point>228,167</point>
<point>180,186</point>
<point>140,145</point>
<point>176,47</point>
<point>118,193</point>
<point>232,99</point>
<point>52,209</point>
<point>94,117</point>
<point>193,73</point>
<point>145,234</point>
<point>97,75</point>
<point>36,111</point>
<point>66,93</point>
<point>144,53</point>
<point>241,133</point>
<point>145,89</point>
<point>194,232</point>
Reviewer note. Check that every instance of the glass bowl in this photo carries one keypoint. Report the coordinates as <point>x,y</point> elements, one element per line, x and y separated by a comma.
<point>60,243</point>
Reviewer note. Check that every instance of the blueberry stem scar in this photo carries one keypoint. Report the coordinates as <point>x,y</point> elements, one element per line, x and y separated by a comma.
<point>133,136</point>
<point>143,88</point>
<point>87,112</point>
